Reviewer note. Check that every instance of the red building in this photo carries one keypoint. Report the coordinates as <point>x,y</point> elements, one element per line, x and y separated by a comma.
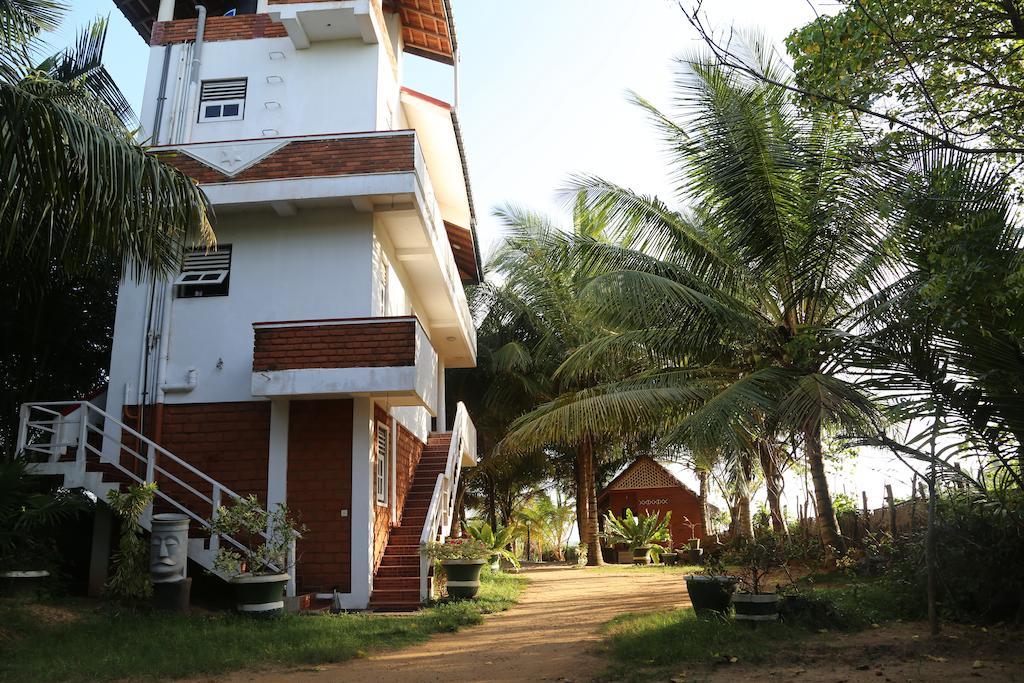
<point>646,487</point>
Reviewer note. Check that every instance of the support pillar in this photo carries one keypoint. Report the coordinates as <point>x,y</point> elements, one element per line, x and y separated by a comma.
<point>442,408</point>
<point>362,503</point>
<point>277,466</point>
<point>99,556</point>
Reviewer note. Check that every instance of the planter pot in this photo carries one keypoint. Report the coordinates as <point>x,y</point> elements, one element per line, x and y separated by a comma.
<point>23,584</point>
<point>260,595</point>
<point>754,607</point>
<point>669,558</point>
<point>693,555</point>
<point>496,563</point>
<point>710,594</point>
<point>463,577</point>
<point>642,555</point>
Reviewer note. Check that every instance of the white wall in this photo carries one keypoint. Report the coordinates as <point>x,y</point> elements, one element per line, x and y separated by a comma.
<point>331,87</point>
<point>311,266</point>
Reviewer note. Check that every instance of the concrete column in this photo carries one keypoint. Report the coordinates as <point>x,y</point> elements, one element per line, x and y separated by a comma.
<point>99,557</point>
<point>166,10</point>
<point>442,409</point>
<point>277,468</point>
<point>277,463</point>
<point>362,503</point>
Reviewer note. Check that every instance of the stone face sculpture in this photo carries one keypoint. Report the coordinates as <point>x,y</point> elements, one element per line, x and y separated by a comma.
<point>168,557</point>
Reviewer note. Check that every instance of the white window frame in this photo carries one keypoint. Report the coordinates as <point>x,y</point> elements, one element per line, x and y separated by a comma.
<point>214,100</point>
<point>382,471</point>
<point>189,277</point>
<point>204,118</point>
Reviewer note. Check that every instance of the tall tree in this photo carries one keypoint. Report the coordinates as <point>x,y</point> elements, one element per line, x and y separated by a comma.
<point>80,203</point>
<point>745,307</point>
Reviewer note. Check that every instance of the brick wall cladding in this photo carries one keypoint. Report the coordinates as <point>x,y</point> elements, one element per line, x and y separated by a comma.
<point>319,487</point>
<point>312,158</point>
<point>361,345</point>
<point>228,442</point>
<point>409,449</point>
<point>682,503</point>
<point>242,27</point>
<point>381,513</point>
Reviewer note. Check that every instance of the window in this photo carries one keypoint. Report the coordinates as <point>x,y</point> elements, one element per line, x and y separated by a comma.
<point>205,273</point>
<point>383,441</point>
<point>222,100</point>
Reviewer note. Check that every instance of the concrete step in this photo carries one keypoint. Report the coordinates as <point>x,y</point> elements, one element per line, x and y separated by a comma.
<point>396,583</point>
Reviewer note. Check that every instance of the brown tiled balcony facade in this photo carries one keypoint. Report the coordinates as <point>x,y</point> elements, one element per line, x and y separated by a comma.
<point>379,357</point>
<point>352,343</point>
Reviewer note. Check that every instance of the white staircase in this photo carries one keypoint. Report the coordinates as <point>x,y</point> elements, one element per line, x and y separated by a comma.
<point>108,454</point>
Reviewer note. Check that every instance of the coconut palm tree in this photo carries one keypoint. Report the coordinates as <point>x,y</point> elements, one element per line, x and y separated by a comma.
<point>75,184</point>
<point>744,306</point>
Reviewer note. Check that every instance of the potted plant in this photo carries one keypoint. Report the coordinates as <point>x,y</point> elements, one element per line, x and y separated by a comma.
<point>498,542</point>
<point>642,534</point>
<point>693,549</point>
<point>29,510</point>
<point>712,590</point>
<point>258,569</point>
<point>670,556</point>
<point>462,560</point>
<point>756,557</point>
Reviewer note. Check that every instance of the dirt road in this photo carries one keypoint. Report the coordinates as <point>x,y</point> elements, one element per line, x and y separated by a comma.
<point>549,636</point>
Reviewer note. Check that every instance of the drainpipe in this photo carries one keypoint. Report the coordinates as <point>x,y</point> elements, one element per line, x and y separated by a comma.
<point>197,57</point>
<point>164,345</point>
<point>161,97</point>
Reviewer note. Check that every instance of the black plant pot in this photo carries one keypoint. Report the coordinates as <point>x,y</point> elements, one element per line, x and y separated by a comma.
<point>669,558</point>
<point>693,555</point>
<point>710,594</point>
<point>755,607</point>
<point>23,584</point>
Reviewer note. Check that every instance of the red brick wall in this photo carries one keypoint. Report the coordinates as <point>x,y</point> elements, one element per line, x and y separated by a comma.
<point>358,345</point>
<point>317,157</point>
<point>319,487</point>
<point>381,513</point>
<point>241,27</point>
<point>226,441</point>
<point>410,449</point>
<point>681,502</point>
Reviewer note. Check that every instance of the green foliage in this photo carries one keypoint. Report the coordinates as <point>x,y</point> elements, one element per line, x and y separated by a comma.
<point>756,558</point>
<point>129,576</point>
<point>497,543</point>
<point>458,549</point>
<point>844,503</point>
<point>951,68</point>
<point>265,536</point>
<point>166,646</point>
<point>980,563</point>
<point>666,638</point>
<point>638,531</point>
<point>30,511</point>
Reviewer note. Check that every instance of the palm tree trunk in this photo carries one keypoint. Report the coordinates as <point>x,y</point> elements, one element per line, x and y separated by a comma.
<point>744,527</point>
<point>828,525</point>
<point>773,484</point>
<point>588,488</point>
<point>705,521</point>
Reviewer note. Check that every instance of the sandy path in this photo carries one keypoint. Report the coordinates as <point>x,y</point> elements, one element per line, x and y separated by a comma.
<point>548,636</point>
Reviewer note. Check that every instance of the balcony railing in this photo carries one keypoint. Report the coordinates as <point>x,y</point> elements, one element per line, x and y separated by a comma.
<point>346,357</point>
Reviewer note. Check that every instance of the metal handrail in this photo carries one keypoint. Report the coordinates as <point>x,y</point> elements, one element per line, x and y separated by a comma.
<point>441,511</point>
<point>52,426</point>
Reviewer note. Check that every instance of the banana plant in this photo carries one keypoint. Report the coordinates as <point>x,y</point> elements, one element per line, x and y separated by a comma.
<point>642,532</point>
<point>497,541</point>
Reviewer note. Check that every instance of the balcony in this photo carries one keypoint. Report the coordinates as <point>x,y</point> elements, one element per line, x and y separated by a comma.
<point>380,172</point>
<point>379,357</point>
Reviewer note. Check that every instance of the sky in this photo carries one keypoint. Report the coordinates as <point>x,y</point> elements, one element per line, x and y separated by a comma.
<point>543,96</point>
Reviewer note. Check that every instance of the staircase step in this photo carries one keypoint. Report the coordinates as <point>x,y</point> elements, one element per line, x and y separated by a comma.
<point>388,583</point>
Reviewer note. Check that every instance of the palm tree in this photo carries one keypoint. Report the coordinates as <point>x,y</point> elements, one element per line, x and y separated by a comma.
<point>745,306</point>
<point>75,185</point>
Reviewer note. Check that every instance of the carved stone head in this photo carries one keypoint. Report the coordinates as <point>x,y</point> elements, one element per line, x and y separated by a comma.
<point>168,557</point>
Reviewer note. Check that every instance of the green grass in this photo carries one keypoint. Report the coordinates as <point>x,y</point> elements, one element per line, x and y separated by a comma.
<point>664,568</point>
<point>646,646</point>
<point>76,641</point>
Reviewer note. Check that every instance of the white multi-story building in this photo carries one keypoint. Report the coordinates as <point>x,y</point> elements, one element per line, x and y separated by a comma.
<point>303,359</point>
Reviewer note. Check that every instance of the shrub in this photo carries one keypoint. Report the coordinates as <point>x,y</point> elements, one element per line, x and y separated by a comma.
<point>458,549</point>
<point>246,521</point>
<point>129,578</point>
